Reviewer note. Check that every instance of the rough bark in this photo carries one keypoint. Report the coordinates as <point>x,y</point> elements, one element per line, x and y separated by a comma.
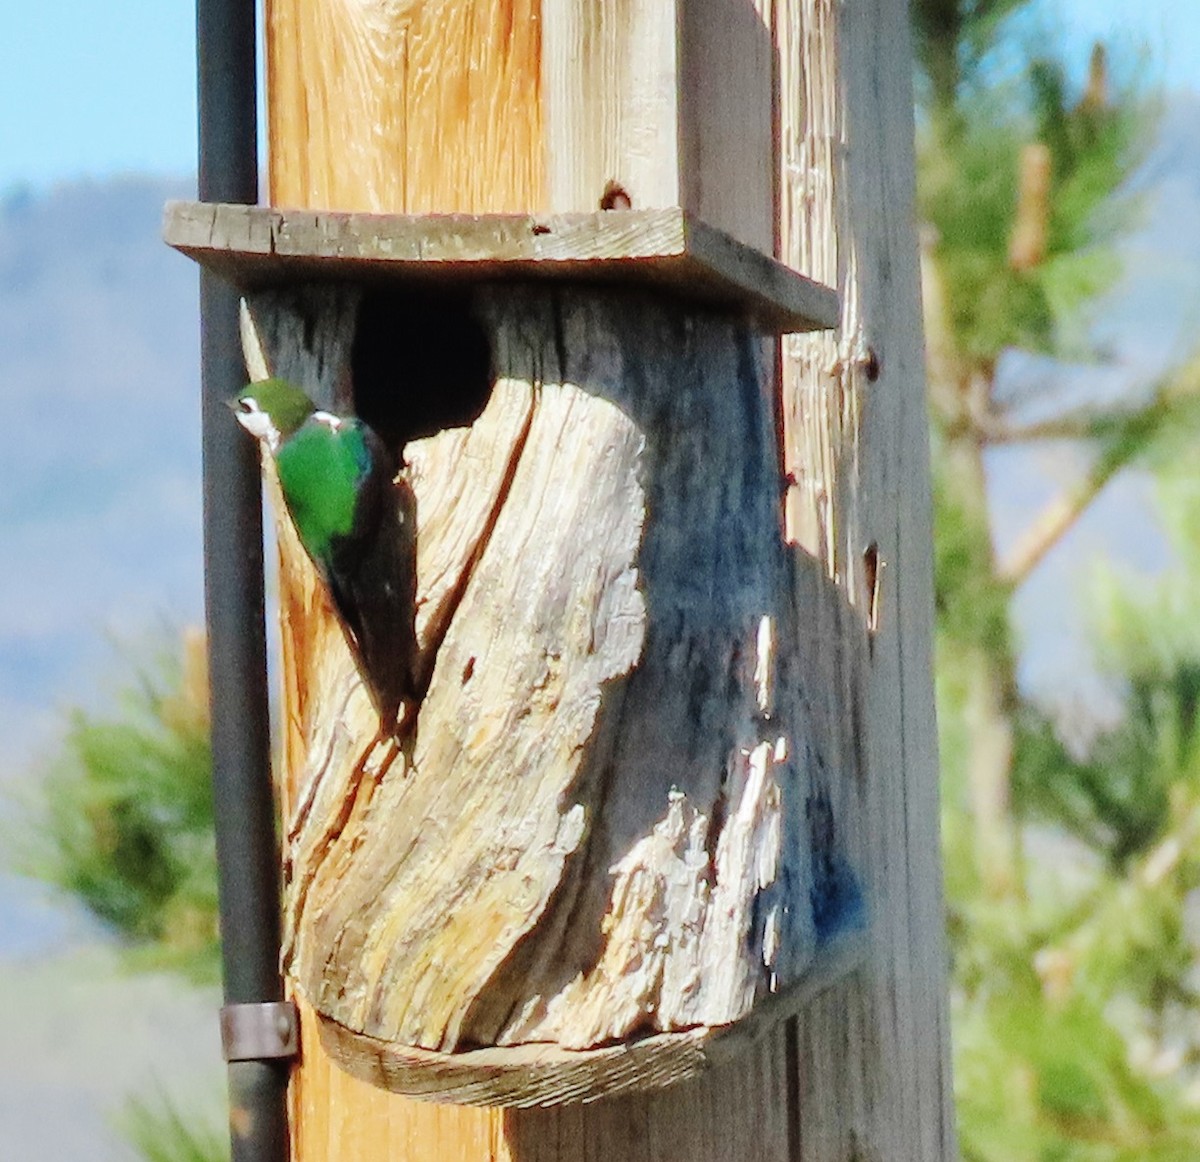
<point>606,825</point>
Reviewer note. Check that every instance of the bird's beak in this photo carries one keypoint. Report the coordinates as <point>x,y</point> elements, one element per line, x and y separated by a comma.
<point>232,404</point>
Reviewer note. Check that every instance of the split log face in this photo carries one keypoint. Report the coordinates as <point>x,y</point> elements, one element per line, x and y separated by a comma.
<point>609,823</point>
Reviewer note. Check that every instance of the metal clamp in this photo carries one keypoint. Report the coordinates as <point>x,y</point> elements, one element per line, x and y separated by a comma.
<point>262,1031</point>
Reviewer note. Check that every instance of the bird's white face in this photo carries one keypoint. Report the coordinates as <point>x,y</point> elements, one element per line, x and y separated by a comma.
<point>257,422</point>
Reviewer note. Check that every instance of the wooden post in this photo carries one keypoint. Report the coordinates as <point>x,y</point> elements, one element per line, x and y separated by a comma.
<point>517,106</point>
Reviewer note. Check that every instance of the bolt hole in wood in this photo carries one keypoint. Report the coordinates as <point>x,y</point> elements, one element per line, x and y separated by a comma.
<point>615,197</point>
<point>421,362</point>
<point>872,574</point>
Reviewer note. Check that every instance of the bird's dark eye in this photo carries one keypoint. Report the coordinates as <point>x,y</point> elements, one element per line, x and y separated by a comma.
<point>245,406</point>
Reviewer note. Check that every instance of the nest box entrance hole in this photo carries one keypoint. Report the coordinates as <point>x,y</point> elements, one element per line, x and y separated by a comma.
<point>421,362</point>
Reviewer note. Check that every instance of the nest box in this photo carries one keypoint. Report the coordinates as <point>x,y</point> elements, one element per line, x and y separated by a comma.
<point>606,856</point>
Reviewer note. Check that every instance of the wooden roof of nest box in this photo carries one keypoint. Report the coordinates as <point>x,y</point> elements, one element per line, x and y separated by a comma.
<point>258,246</point>
<point>654,162</point>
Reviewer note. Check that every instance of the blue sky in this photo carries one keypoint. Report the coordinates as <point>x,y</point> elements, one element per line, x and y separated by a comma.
<point>91,90</point>
<point>1170,29</point>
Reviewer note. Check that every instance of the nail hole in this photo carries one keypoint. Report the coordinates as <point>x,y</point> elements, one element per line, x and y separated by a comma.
<point>872,574</point>
<point>615,197</point>
<point>541,228</point>
<point>468,671</point>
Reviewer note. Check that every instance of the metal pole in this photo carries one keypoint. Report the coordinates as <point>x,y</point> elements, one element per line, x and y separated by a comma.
<point>233,574</point>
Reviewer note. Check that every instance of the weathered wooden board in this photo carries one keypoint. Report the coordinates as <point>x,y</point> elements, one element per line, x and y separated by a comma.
<point>670,99</point>
<point>872,1054</point>
<point>606,827</point>
<point>450,106</point>
<point>541,1074</point>
<point>258,246</point>
<point>414,107</point>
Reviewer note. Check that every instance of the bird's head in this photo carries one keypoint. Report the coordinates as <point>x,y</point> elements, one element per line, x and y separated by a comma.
<point>271,410</point>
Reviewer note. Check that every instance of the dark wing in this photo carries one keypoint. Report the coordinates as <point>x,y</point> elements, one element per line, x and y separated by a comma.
<point>372,579</point>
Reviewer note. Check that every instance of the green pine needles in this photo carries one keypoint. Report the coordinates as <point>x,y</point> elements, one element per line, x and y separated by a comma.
<point>125,820</point>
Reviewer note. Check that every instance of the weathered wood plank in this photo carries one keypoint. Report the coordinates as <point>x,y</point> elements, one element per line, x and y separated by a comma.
<point>540,1074</point>
<point>643,94</point>
<point>872,1053</point>
<point>258,246</point>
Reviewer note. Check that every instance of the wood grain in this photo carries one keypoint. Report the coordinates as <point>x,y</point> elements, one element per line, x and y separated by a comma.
<point>540,1074</point>
<point>864,1074</point>
<point>408,107</point>
<point>643,93</point>
<point>872,1055</point>
<point>604,829</point>
<point>256,246</point>
<point>447,106</point>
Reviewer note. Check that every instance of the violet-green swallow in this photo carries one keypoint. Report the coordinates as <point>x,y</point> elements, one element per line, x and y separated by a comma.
<point>354,518</point>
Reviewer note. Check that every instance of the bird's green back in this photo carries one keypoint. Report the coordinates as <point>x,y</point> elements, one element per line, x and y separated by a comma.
<point>321,472</point>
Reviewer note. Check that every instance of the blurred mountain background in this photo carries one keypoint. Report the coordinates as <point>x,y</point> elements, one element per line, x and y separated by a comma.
<point>99,446</point>
<point>100,528</point>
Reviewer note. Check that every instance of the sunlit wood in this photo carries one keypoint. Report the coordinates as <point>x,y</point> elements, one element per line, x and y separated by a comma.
<point>454,106</point>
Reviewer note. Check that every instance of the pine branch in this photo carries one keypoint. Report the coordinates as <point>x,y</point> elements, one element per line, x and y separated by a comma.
<point>1078,425</point>
<point>1050,526</point>
<point>1122,440</point>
